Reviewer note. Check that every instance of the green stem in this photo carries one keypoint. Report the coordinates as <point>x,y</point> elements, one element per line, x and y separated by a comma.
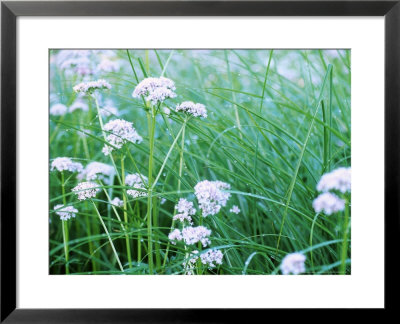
<point>151,125</point>
<point>65,227</point>
<point>179,179</point>
<point>105,136</point>
<point>139,238</point>
<point>181,156</point>
<point>345,235</point>
<point>147,61</point>
<point>89,232</point>
<point>65,239</point>
<point>326,137</point>
<point>311,239</point>
<point>128,247</point>
<point>109,237</point>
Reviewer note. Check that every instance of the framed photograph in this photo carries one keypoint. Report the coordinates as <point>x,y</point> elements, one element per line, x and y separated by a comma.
<point>192,155</point>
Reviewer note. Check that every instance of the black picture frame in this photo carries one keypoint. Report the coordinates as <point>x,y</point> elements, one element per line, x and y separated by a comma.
<point>11,10</point>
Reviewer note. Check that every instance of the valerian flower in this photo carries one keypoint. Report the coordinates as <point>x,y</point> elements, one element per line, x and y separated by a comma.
<point>86,190</point>
<point>293,263</point>
<point>191,108</point>
<point>155,90</point>
<point>58,109</point>
<point>212,258</point>
<point>119,133</point>
<point>329,203</point>
<point>91,86</point>
<point>191,235</point>
<point>235,209</point>
<point>96,171</point>
<point>65,212</point>
<point>66,164</point>
<point>211,197</point>
<point>137,181</point>
<point>185,210</point>
<point>117,202</point>
<point>339,179</point>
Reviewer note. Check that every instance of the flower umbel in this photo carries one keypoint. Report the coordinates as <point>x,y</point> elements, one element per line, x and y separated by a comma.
<point>66,164</point>
<point>120,132</point>
<point>96,170</point>
<point>235,209</point>
<point>136,181</point>
<point>66,212</point>
<point>117,202</point>
<point>86,190</point>
<point>185,210</point>
<point>329,203</point>
<point>212,258</point>
<point>211,197</point>
<point>91,86</point>
<point>58,109</point>
<point>191,108</point>
<point>192,235</point>
<point>293,263</point>
<point>155,90</point>
<point>339,179</point>
<point>175,235</point>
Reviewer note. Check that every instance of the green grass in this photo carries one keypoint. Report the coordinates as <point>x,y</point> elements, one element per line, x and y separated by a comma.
<point>277,121</point>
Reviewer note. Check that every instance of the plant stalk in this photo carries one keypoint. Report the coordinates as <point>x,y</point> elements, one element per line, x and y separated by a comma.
<point>151,122</point>
<point>109,237</point>
<point>65,227</point>
<point>128,247</point>
<point>345,235</point>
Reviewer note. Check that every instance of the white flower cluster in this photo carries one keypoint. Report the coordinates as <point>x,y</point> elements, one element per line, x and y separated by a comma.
<point>117,202</point>
<point>96,170</point>
<point>75,62</point>
<point>66,212</point>
<point>120,132</point>
<point>293,263</point>
<point>211,197</point>
<point>79,65</point>
<point>175,235</point>
<point>155,90</point>
<point>329,203</point>
<point>191,235</point>
<point>185,210</point>
<point>78,105</point>
<point>339,179</point>
<point>210,257</point>
<point>136,181</point>
<point>235,209</point>
<point>86,190</point>
<point>66,164</point>
<point>195,109</point>
<point>131,179</point>
<point>107,65</point>
<point>91,86</point>
<point>58,109</point>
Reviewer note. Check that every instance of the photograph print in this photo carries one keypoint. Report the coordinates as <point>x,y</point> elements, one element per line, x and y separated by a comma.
<point>200,162</point>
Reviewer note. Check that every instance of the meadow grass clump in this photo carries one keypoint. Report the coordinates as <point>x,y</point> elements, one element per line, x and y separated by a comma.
<point>200,162</point>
